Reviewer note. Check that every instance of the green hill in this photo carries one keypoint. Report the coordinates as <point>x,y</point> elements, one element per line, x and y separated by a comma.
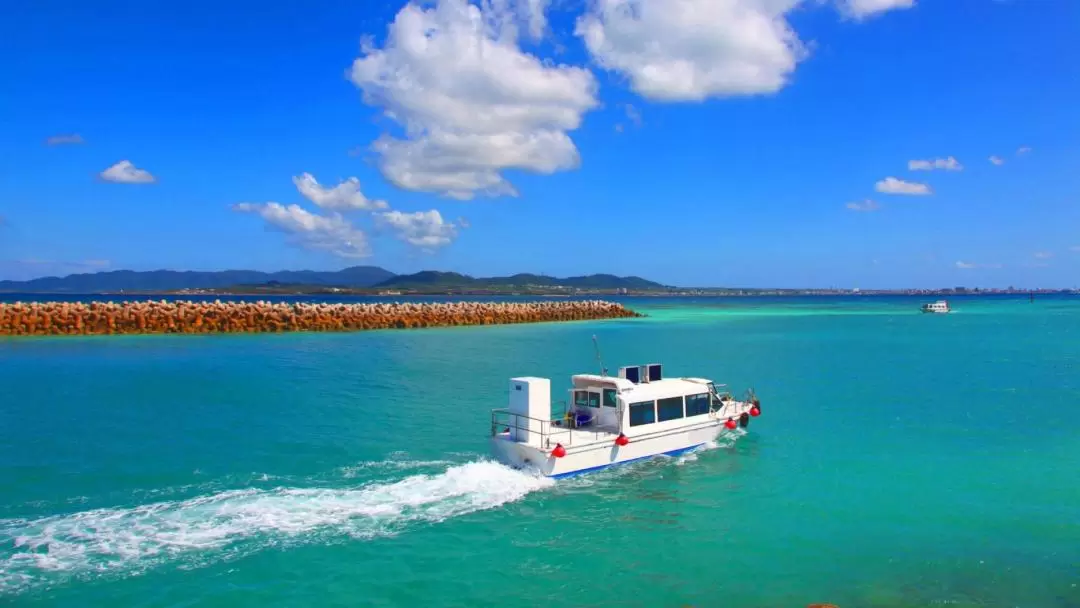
<point>171,280</point>
<point>311,281</point>
<point>430,279</point>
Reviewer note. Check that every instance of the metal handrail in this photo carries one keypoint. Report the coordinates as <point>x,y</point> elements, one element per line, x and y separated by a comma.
<point>548,427</point>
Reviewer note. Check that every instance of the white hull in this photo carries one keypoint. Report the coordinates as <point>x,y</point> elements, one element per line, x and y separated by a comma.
<point>940,307</point>
<point>602,453</point>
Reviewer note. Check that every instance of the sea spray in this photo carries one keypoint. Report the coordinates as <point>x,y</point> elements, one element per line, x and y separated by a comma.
<point>130,540</point>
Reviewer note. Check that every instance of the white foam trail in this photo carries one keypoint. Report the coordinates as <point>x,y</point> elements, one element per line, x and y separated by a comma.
<point>725,440</point>
<point>392,465</point>
<point>129,540</point>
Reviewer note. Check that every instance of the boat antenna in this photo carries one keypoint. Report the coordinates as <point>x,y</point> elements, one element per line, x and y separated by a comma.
<point>596,346</point>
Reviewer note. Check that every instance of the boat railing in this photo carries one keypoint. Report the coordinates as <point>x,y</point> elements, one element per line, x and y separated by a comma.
<point>550,432</point>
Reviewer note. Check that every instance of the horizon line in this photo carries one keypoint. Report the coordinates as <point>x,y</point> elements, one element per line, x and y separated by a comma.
<point>541,274</point>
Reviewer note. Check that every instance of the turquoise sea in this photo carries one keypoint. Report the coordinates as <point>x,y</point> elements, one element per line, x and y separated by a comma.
<point>901,460</point>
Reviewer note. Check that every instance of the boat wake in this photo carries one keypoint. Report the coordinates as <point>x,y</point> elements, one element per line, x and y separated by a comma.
<point>726,440</point>
<point>212,527</point>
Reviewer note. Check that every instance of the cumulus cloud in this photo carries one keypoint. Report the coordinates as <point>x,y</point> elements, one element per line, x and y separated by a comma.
<point>1023,150</point>
<point>471,102</point>
<point>124,172</point>
<point>866,205</point>
<point>997,160</point>
<point>691,50</point>
<point>346,196</point>
<point>892,185</point>
<point>861,9</point>
<point>331,233</point>
<point>947,164</point>
<point>424,229</point>
<point>65,140</point>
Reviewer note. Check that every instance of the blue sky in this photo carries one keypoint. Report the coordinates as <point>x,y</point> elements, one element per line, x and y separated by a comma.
<point>698,142</point>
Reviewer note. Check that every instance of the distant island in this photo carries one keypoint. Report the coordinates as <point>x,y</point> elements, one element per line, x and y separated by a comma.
<point>357,280</point>
<point>373,280</point>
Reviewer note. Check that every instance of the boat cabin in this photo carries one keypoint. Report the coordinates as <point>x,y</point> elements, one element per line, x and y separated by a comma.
<point>639,397</point>
<point>941,306</point>
<point>637,402</point>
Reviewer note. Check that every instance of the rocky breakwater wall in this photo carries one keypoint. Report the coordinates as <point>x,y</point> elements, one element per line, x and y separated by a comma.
<point>186,317</point>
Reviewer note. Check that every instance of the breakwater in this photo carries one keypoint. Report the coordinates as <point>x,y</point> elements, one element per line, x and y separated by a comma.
<point>187,317</point>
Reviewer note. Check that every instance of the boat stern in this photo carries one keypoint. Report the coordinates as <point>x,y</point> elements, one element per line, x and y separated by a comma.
<point>519,455</point>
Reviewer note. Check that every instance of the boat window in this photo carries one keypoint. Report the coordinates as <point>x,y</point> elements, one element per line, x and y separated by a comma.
<point>581,398</point>
<point>609,398</point>
<point>697,405</point>
<point>594,399</point>
<point>642,413</point>
<point>669,409</point>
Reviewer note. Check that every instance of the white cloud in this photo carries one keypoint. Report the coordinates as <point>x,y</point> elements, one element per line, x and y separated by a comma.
<point>332,233</point>
<point>533,12</point>
<point>972,265</point>
<point>472,103</point>
<point>997,160</point>
<point>346,196</point>
<point>1023,150</point>
<point>948,164</point>
<point>68,139</point>
<point>1044,255</point>
<point>124,172</point>
<point>866,205</point>
<point>892,185</point>
<point>691,50</point>
<point>632,114</point>
<point>861,9</point>
<point>424,229</point>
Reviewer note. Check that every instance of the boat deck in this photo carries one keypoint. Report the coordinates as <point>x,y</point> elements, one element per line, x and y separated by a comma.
<point>570,437</point>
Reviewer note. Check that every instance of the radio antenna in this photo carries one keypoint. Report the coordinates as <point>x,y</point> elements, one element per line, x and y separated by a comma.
<point>596,346</point>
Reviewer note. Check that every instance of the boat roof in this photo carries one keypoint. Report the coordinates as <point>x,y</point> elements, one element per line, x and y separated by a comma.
<point>668,387</point>
<point>646,391</point>
<point>587,380</point>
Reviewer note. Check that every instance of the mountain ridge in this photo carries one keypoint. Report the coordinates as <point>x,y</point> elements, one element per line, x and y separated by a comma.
<point>168,280</point>
<point>434,278</point>
<point>354,277</point>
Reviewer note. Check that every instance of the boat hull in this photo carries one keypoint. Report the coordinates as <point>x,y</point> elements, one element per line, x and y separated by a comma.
<point>601,455</point>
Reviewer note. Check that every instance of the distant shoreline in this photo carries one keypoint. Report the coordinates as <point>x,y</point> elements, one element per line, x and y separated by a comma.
<point>451,293</point>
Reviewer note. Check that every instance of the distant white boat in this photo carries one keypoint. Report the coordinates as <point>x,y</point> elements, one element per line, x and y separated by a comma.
<point>941,306</point>
<point>612,420</point>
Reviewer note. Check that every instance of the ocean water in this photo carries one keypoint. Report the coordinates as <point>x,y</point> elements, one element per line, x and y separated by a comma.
<point>901,460</point>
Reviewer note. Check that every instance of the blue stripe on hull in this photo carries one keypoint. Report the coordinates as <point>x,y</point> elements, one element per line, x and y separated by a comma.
<point>612,464</point>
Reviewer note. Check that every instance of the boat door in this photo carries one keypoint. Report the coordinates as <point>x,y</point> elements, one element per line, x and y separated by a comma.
<point>609,408</point>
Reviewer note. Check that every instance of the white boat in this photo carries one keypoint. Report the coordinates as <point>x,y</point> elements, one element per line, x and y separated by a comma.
<point>612,420</point>
<point>941,306</point>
